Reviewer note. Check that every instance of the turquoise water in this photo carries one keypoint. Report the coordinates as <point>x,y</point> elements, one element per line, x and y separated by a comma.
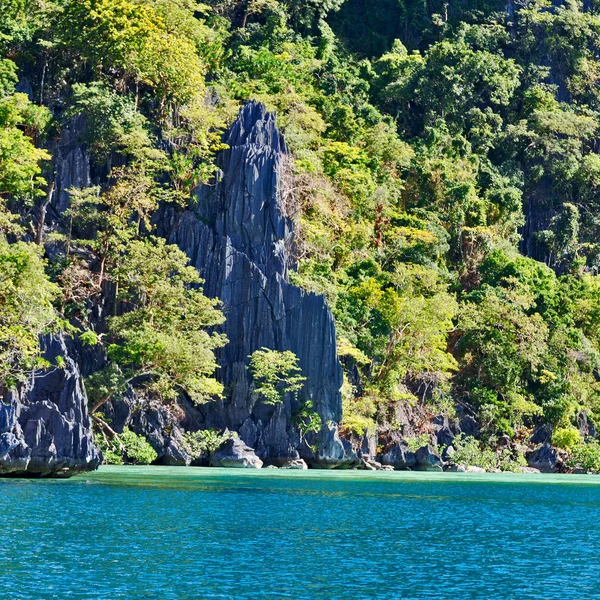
<point>159,532</point>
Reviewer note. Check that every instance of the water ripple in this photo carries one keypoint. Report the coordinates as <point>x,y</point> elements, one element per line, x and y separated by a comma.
<point>195,533</point>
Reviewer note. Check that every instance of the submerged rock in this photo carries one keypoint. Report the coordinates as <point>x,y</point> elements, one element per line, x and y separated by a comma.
<point>369,464</point>
<point>45,429</point>
<point>473,469</point>
<point>454,468</point>
<point>235,454</point>
<point>529,470</point>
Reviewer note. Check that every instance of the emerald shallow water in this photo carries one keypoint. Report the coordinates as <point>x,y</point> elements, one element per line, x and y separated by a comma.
<point>159,532</point>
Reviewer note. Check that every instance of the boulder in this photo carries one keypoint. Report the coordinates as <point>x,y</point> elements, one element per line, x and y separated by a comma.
<point>331,451</point>
<point>544,458</point>
<point>369,464</point>
<point>529,470</point>
<point>295,464</point>
<point>448,453</point>
<point>504,441</point>
<point>473,469</point>
<point>469,426</point>
<point>174,455</point>
<point>454,468</point>
<point>398,456</point>
<point>235,454</point>
<point>586,427</point>
<point>427,459</point>
<point>444,436</point>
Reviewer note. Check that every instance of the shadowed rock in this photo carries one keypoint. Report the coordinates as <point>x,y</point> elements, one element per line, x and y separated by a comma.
<point>399,457</point>
<point>545,458</point>
<point>45,430</point>
<point>295,464</point>
<point>428,459</point>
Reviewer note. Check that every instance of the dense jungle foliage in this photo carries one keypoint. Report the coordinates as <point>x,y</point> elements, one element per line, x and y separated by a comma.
<point>444,176</point>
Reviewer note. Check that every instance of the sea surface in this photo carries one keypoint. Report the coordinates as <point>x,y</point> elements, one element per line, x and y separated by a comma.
<point>170,533</point>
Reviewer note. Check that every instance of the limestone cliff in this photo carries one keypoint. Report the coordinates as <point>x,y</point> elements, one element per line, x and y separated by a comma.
<point>238,237</point>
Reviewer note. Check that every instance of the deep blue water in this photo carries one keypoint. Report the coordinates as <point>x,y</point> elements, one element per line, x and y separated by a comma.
<point>151,532</point>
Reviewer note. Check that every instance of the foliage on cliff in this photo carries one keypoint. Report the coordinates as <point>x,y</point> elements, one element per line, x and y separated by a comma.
<point>444,176</point>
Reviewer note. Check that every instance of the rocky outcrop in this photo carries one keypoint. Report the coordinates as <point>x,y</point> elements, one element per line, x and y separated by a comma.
<point>239,237</point>
<point>234,453</point>
<point>428,459</point>
<point>542,434</point>
<point>45,430</point>
<point>473,469</point>
<point>72,163</point>
<point>585,426</point>
<point>399,456</point>
<point>545,459</point>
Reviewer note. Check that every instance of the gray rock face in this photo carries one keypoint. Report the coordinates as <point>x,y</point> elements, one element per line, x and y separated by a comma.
<point>444,436</point>
<point>545,458</point>
<point>72,164</point>
<point>542,434</point>
<point>399,457</point>
<point>239,239</point>
<point>585,426</point>
<point>45,430</point>
<point>235,454</point>
<point>428,459</point>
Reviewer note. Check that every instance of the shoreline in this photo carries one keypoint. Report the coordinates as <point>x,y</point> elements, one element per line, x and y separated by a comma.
<point>148,474</point>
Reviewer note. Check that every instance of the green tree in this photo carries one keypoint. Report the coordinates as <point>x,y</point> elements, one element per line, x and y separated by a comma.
<point>20,160</point>
<point>502,348</point>
<point>161,344</point>
<point>26,310</point>
<point>275,374</point>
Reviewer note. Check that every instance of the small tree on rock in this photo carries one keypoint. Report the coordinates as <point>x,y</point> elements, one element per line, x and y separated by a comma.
<point>275,374</point>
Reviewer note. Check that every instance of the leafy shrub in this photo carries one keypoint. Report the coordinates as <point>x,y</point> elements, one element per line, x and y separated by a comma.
<point>136,448</point>
<point>307,419</point>
<point>275,374</point>
<point>566,438</point>
<point>417,441</point>
<point>358,413</point>
<point>112,458</point>
<point>585,456</point>
<point>467,451</point>
<point>197,443</point>
<point>509,461</point>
